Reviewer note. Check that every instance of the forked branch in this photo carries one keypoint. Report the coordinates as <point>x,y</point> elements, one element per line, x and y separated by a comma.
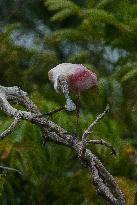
<point>104,182</point>
<point>89,130</point>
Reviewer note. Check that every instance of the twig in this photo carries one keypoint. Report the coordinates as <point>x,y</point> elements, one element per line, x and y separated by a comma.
<point>52,112</point>
<point>11,128</point>
<point>103,142</point>
<point>88,131</point>
<point>10,169</point>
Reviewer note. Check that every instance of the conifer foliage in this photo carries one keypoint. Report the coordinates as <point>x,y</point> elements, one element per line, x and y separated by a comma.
<point>34,37</point>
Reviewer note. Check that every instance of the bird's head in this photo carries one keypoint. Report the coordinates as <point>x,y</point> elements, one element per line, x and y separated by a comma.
<point>50,75</point>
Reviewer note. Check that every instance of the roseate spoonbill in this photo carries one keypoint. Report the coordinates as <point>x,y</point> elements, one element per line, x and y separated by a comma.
<point>72,77</point>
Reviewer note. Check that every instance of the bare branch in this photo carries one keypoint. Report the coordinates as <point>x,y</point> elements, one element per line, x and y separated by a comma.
<point>101,186</point>
<point>10,129</point>
<point>10,110</point>
<point>103,142</point>
<point>102,179</point>
<point>52,112</point>
<point>10,169</point>
<point>88,131</point>
<point>16,94</point>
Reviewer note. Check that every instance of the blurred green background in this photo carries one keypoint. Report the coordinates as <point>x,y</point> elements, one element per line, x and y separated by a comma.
<point>35,36</point>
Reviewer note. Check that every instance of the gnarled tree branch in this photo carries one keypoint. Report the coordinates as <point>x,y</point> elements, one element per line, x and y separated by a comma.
<point>104,182</point>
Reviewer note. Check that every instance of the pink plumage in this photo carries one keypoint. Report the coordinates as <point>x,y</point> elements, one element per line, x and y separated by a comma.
<point>82,79</point>
<point>74,77</point>
<point>78,77</point>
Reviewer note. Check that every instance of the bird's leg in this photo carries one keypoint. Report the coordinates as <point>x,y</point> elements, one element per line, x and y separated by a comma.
<point>77,112</point>
<point>70,106</point>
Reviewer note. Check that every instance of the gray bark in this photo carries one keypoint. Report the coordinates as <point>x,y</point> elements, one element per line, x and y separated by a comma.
<point>104,182</point>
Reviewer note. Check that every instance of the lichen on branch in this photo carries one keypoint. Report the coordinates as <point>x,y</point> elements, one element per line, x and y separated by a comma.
<point>104,182</point>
